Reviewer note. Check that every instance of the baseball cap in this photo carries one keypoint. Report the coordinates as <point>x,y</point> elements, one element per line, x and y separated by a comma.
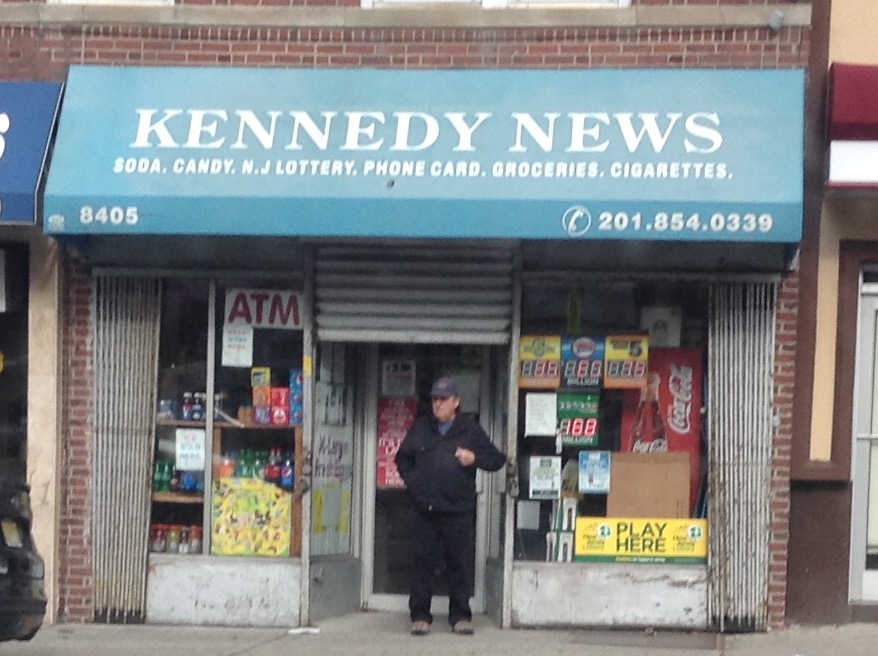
<point>445,386</point>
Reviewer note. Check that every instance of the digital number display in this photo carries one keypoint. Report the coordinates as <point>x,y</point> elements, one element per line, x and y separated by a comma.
<point>583,368</point>
<point>626,369</point>
<point>579,427</point>
<point>539,369</point>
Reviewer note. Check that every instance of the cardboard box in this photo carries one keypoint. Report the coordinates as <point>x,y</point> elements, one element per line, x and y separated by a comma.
<point>262,415</point>
<point>260,376</point>
<point>280,415</point>
<point>559,546</point>
<point>649,485</point>
<point>280,396</point>
<point>564,514</point>
<point>261,396</point>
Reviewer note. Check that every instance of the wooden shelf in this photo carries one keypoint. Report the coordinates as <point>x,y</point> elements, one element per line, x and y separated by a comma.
<point>227,425</point>
<point>181,423</point>
<point>177,497</point>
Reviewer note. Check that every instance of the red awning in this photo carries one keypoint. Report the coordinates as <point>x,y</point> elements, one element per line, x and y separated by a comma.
<point>853,127</point>
<point>853,102</point>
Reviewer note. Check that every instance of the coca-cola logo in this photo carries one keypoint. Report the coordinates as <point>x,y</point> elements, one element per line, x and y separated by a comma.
<point>680,386</point>
<point>655,446</point>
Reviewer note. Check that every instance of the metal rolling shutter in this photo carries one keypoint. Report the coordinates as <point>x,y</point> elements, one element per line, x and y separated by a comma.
<point>414,292</point>
<point>125,324</point>
<point>741,415</point>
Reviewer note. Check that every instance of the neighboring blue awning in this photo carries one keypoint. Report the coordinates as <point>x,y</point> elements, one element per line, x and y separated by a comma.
<point>27,118</point>
<point>689,155</point>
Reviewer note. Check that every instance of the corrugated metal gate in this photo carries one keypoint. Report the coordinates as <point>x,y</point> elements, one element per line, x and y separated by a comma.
<point>125,319</point>
<point>740,402</point>
<point>414,292</point>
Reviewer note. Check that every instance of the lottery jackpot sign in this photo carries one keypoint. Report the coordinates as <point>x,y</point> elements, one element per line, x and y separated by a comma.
<point>540,357</point>
<point>582,361</point>
<point>578,419</point>
<point>627,361</point>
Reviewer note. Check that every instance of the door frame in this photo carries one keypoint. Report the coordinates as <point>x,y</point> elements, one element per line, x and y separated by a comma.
<point>863,583</point>
<point>368,393</point>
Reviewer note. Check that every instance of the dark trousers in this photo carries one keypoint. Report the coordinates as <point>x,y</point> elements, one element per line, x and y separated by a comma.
<point>435,535</point>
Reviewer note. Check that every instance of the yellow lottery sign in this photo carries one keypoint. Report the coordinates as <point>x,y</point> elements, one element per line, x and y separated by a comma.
<point>635,540</point>
<point>626,359</point>
<point>250,518</point>
<point>540,357</point>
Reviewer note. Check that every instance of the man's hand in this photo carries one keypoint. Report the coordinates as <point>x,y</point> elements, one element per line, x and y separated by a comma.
<point>464,456</point>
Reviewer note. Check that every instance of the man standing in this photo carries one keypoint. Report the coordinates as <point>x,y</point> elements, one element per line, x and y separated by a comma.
<point>438,460</point>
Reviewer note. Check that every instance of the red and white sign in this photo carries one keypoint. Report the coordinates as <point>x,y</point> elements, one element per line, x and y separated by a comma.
<point>395,417</point>
<point>853,127</point>
<point>263,308</point>
<point>678,373</point>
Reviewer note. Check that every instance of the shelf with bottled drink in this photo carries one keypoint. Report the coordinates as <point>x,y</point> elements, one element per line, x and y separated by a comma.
<point>264,465</point>
<point>227,480</point>
<point>257,449</point>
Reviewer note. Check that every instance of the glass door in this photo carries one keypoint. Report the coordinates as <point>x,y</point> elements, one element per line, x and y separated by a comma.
<point>864,522</point>
<point>401,376</point>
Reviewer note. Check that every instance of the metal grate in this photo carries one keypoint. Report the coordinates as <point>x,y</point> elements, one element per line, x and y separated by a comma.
<point>125,316</point>
<point>740,394</point>
<point>414,293</point>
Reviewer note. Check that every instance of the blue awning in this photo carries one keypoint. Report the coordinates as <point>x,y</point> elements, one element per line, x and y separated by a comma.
<point>686,155</point>
<point>27,118</point>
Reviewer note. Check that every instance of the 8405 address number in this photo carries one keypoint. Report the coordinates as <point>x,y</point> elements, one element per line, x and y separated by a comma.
<point>114,215</point>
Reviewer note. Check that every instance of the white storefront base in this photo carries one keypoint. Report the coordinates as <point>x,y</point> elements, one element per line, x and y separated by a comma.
<point>204,590</point>
<point>609,594</point>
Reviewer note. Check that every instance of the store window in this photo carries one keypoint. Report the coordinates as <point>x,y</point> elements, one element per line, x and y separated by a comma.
<point>13,363</point>
<point>611,432</point>
<point>229,446</point>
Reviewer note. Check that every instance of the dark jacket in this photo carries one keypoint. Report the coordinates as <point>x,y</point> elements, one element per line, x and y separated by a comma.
<point>435,480</point>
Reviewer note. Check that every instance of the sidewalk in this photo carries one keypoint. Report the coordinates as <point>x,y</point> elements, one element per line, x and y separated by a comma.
<point>386,634</point>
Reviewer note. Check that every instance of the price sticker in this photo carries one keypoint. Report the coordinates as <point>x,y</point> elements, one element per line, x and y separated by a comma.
<point>626,361</point>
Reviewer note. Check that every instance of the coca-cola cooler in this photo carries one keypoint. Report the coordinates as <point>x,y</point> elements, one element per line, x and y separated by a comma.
<point>666,415</point>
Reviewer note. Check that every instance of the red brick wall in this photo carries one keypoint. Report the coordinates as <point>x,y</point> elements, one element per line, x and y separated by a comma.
<point>786,325</point>
<point>75,576</point>
<point>37,52</point>
<point>45,53</point>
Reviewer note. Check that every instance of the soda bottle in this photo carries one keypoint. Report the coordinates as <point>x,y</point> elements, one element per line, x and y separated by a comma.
<point>167,474</point>
<point>186,408</point>
<point>243,467</point>
<point>287,473</point>
<point>227,466</point>
<point>176,482</point>
<point>258,471</point>
<point>158,481</point>
<point>199,406</point>
<point>648,429</point>
<point>272,467</point>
